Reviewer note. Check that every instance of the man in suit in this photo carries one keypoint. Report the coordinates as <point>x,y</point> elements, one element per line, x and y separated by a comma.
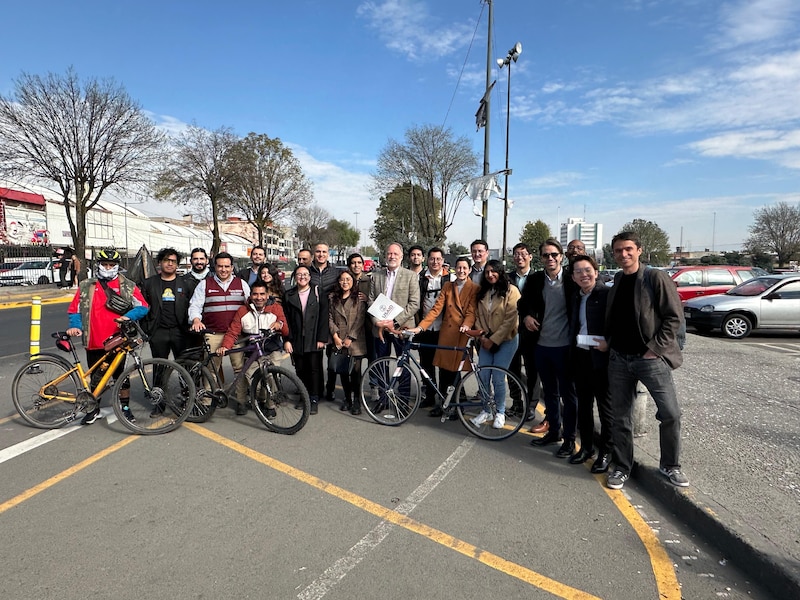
<point>402,287</point>
<point>527,339</point>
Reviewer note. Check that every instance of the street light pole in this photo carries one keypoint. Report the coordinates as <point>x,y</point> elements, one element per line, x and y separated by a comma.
<point>487,96</point>
<point>512,56</point>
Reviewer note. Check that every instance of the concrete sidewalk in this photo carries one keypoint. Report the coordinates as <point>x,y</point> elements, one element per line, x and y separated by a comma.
<point>17,296</point>
<point>740,450</point>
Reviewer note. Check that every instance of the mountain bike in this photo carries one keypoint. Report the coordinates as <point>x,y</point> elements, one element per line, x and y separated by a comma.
<point>391,391</point>
<point>49,392</point>
<point>278,397</point>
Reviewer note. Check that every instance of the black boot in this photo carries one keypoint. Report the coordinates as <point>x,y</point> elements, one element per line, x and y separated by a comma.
<point>355,406</point>
<point>346,405</point>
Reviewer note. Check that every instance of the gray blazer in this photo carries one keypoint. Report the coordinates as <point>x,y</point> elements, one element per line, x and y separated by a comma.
<point>405,293</point>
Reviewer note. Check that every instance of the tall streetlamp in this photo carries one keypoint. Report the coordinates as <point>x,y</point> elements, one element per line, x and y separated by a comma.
<point>512,56</point>
<point>487,98</point>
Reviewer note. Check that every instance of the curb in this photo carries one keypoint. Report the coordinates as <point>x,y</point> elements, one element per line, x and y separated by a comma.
<point>754,554</point>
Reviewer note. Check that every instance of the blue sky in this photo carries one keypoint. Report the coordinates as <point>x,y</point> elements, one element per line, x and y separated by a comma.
<point>683,112</point>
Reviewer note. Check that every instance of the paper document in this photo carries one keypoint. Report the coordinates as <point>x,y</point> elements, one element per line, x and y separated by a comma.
<point>384,309</point>
<point>587,340</point>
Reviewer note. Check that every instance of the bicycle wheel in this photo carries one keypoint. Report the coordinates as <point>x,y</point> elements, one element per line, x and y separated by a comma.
<point>45,393</point>
<point>390,393</point>
<point>205,401</point>
<point>154,398</point>
<point>280,399</point>
<point>488,391</point>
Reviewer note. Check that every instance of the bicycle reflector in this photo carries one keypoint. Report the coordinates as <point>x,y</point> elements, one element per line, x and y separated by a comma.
<point>63,342</point>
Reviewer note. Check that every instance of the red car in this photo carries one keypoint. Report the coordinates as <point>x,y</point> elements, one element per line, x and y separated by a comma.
<point>704,280</point>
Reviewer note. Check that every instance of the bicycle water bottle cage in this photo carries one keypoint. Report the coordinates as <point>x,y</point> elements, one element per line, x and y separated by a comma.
<point>63,341</point>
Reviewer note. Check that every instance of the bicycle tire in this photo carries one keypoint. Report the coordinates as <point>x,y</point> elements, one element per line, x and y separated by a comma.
<point>283,392</point>
<point>472,396</point>
<point>40,412</point>
<point>205,400</point>
<point>161,394</point>
<point>390,393</point>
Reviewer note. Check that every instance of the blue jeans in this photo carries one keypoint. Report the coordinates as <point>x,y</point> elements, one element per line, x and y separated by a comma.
<point>623,372</point>
<point>552,364</point>
<point>501,358</point>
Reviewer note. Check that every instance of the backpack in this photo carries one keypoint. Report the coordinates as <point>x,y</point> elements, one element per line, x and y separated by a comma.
<point>680,337</point>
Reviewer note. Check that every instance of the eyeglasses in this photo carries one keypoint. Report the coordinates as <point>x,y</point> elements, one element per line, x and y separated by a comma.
<point>586,271</point>
<point>302,276</point>
<point>520,254</point>
<point>170,261</point>
<point>551,254</point>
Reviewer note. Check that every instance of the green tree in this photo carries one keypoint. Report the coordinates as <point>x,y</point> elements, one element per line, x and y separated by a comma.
<point>608,257</point>
<point>655,241</point>
<point>202,174</point>
<point>776,229</point>
<point>393,221</point>
<point>533,234</point>
<point>269,183</point>
<point>342,236</point>
<point>82,137</point>
<point>458,249</point>
<point>438,164</point>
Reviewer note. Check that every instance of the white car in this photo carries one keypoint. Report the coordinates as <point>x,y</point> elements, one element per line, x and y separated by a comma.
<point>768,302</point>
<point>36,271</point>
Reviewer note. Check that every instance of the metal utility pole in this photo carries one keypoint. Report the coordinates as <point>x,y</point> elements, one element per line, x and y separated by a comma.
<point>485,203</point>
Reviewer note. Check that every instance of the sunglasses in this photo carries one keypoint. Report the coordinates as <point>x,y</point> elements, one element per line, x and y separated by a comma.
<point>551,254</point>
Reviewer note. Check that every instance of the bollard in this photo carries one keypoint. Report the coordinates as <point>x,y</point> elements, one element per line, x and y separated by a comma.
<point>36,323</point>
<point>640,411</point>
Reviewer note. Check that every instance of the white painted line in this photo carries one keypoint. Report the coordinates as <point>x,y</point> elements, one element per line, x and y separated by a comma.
<point>48,436</point>
<point>339,569</point>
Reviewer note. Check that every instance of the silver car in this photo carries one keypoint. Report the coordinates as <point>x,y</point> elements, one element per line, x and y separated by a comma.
<point>766,302</point>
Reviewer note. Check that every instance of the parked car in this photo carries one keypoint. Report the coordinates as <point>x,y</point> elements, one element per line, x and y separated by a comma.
<point>37,271</point>
<point>768,302</point>
<point>704,280</point>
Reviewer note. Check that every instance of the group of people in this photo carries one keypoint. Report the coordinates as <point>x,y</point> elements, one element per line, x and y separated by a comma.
<point>586,342</point>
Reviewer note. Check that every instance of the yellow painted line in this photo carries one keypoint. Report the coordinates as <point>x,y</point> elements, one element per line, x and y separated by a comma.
<point>23,303</point>
<point>663,570</point>
<point>30,493</point>
<point>487,558</point>
<point>7,419</point>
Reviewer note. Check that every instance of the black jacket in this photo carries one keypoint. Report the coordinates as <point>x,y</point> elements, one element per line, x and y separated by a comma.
<point>595,320</point>
<point>305,330</point>
<point>151,290</point>
<point>531,302</point>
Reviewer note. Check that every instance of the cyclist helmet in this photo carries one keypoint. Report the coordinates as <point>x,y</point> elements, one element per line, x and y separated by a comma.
<point>108,255</point>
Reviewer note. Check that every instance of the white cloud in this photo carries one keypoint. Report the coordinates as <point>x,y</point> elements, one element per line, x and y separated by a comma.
<point>753,21</point>
<point>339,191</point>
<point>554,180</point>
<point>406,27</point>
<point>169,125</point>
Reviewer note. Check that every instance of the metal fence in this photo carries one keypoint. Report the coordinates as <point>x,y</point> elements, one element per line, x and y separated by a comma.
<point>45,265</point>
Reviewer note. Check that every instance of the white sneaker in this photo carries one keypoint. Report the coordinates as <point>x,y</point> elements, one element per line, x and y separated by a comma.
<point>499,421</point>
<point>481,418</point>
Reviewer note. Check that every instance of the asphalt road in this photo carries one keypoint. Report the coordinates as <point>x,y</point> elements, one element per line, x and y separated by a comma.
<point>348,508</point>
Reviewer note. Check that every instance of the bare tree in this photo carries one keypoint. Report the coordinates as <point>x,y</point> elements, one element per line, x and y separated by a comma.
<point>82,137</point>
<point>311,225</point>
<point>776,229</point>
<point>269,182</point>
<point>200,172</point>
<point>436,161</point>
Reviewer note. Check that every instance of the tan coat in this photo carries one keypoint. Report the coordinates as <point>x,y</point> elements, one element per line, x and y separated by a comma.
<point>347,320</point>
<point>502,319</point>
<point>456,310</point>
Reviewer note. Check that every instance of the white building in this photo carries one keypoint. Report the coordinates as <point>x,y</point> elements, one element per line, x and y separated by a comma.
<point>591,234</point>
